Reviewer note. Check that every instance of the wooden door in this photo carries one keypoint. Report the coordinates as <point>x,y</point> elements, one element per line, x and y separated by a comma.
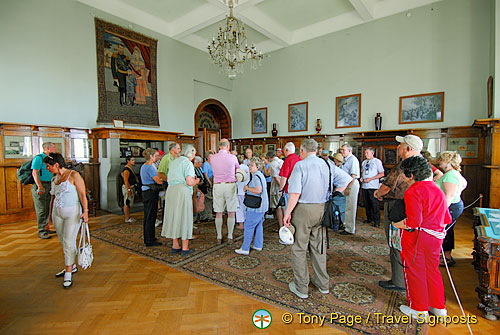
<point>210,140</point>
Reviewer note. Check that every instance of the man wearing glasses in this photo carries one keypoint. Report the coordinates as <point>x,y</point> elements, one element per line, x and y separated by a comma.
<point>371,171</point>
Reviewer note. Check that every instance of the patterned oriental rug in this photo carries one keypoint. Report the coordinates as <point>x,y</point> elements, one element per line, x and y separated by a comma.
<point>355,264</point>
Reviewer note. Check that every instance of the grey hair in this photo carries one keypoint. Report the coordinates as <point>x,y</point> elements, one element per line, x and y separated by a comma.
<point>309,145</point>
<point>348,147</point>
<point>290,146</point>
<point>258,162</point>
<point>189,151</point>
<point>198,159</point>
<point>370,148</point>
<point>224,143</point>
<point>46,145</point>
<point>172,145</point>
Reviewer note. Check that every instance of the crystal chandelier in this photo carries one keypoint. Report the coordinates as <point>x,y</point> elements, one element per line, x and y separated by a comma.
<point>229,49</point>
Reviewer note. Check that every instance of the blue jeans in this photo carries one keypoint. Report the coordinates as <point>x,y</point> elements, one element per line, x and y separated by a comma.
<point>339,201</point>
<point>253,226</point>
<point>455,210</point>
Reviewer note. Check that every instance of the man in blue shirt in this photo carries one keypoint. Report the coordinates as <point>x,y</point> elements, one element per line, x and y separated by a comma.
<point>207,168</point>
<point>351,166</point>
<point>40,190</point>
<point>308,192</point>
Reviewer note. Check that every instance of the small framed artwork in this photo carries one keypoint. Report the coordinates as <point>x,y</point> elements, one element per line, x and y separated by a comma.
<point>297,116</point>
<point>257,149</point>
<point>259,120</point>
<point>270,147</point>
<point>421,108</point>
<point>244,148</point>
<point>118,124</point>
<point>348,111</point>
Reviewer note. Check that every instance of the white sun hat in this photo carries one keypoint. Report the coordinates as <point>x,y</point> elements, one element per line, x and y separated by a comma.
<point>286,235</point>
<point>241,175</point>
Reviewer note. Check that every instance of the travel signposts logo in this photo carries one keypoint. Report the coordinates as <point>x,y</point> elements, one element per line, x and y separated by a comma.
<point>262,319</point>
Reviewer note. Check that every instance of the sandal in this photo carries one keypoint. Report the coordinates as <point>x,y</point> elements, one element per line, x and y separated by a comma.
<point>450,261</point>
<point>67,283</point>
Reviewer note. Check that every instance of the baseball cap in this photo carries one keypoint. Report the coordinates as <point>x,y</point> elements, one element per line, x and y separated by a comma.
<point>412,140</point>
<point>161,153</point>
<point>324,152</point>
<point>339,157</point>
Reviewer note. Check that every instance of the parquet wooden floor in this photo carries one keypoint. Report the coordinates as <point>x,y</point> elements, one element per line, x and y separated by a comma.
<point>128,294</point>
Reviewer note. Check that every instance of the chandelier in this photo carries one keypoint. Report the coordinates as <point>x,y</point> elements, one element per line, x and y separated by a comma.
<point>229,49</point>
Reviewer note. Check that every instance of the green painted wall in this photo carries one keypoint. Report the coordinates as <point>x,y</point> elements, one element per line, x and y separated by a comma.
<point>48,58</point>
<point>441,47</point>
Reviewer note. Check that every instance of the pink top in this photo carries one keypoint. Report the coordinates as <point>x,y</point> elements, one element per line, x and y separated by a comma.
<point>224,166</point>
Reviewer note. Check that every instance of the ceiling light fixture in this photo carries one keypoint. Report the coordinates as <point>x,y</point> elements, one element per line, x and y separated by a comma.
<point>229,49</point>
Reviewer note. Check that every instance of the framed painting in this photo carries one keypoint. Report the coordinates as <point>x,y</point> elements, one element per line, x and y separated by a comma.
<point>297,116</point>
<point>126,76</point>
<point>270,147</point>
<point>257,149</point>
<point>244,148</point>
<point>348,111</point>
<point>421,108</point>
<point>259,120</point>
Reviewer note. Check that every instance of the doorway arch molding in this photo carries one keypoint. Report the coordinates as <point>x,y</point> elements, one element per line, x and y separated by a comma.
<point>221,114</point>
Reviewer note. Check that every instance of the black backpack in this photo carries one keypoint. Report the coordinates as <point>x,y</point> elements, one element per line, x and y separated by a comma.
<point>25,173</point>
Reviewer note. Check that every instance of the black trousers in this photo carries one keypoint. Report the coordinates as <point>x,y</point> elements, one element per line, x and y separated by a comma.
<point>150,200</point>
<point>372,205</point>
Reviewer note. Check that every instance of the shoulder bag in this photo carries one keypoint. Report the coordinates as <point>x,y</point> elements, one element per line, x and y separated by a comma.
<point>331,215</point>
<point>253,201</point>
<point>84,251</point>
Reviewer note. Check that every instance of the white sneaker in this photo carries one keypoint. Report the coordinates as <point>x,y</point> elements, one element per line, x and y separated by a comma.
<point>158,223</point>
<point>242,252</point>
<point>413,313</point>
<point>258,249</point>
<point>292,288</point>
<point>438,312</point>
<point>322,291</point>
<point>131,220</point>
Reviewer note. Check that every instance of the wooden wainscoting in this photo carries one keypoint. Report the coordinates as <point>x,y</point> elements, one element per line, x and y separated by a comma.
<point>16,202</point>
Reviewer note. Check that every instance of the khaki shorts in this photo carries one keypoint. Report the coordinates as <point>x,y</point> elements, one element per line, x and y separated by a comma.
<point>128,200</point>
<point>225,196</point>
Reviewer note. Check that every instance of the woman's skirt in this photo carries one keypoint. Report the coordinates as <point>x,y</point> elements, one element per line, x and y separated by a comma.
<point>178,216</point>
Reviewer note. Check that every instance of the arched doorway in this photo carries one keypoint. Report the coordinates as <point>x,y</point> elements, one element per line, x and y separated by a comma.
<point>211,123</point>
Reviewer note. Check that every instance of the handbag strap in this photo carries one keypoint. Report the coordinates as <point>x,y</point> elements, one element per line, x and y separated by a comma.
<point>84,230</point>
<point>329,179</point>
<point>261,184</point>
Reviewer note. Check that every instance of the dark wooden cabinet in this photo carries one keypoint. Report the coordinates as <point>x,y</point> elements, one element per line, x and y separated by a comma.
<point>486,261</point>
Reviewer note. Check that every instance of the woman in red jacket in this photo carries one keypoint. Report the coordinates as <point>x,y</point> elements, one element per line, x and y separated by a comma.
<point>421,240</point>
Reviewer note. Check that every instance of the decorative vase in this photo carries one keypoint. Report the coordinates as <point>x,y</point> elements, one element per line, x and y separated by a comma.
<point>378,122</point>
<point>274,132</point>
<point>318,125</point>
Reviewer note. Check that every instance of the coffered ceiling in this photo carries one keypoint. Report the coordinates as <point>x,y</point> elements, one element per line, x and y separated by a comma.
<point>270,24</point>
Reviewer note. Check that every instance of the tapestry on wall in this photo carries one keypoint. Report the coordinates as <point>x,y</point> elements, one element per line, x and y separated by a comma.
<point>126,74</point>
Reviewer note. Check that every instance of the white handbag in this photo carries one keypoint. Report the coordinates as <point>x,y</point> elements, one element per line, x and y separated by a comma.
<point>85,254</point>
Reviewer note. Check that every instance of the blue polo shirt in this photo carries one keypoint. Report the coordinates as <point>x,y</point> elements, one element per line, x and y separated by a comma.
<point>351,165</point>
<point>310,176</point>
<point>207,168</point>
<point>38,164</point>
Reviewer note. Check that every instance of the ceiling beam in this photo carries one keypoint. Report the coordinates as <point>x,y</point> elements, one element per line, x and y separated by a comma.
<point>131,14</point>
<point>266,25</point>
<point>328,26</point>
<point>195,20</point>
<point>364,9</point>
